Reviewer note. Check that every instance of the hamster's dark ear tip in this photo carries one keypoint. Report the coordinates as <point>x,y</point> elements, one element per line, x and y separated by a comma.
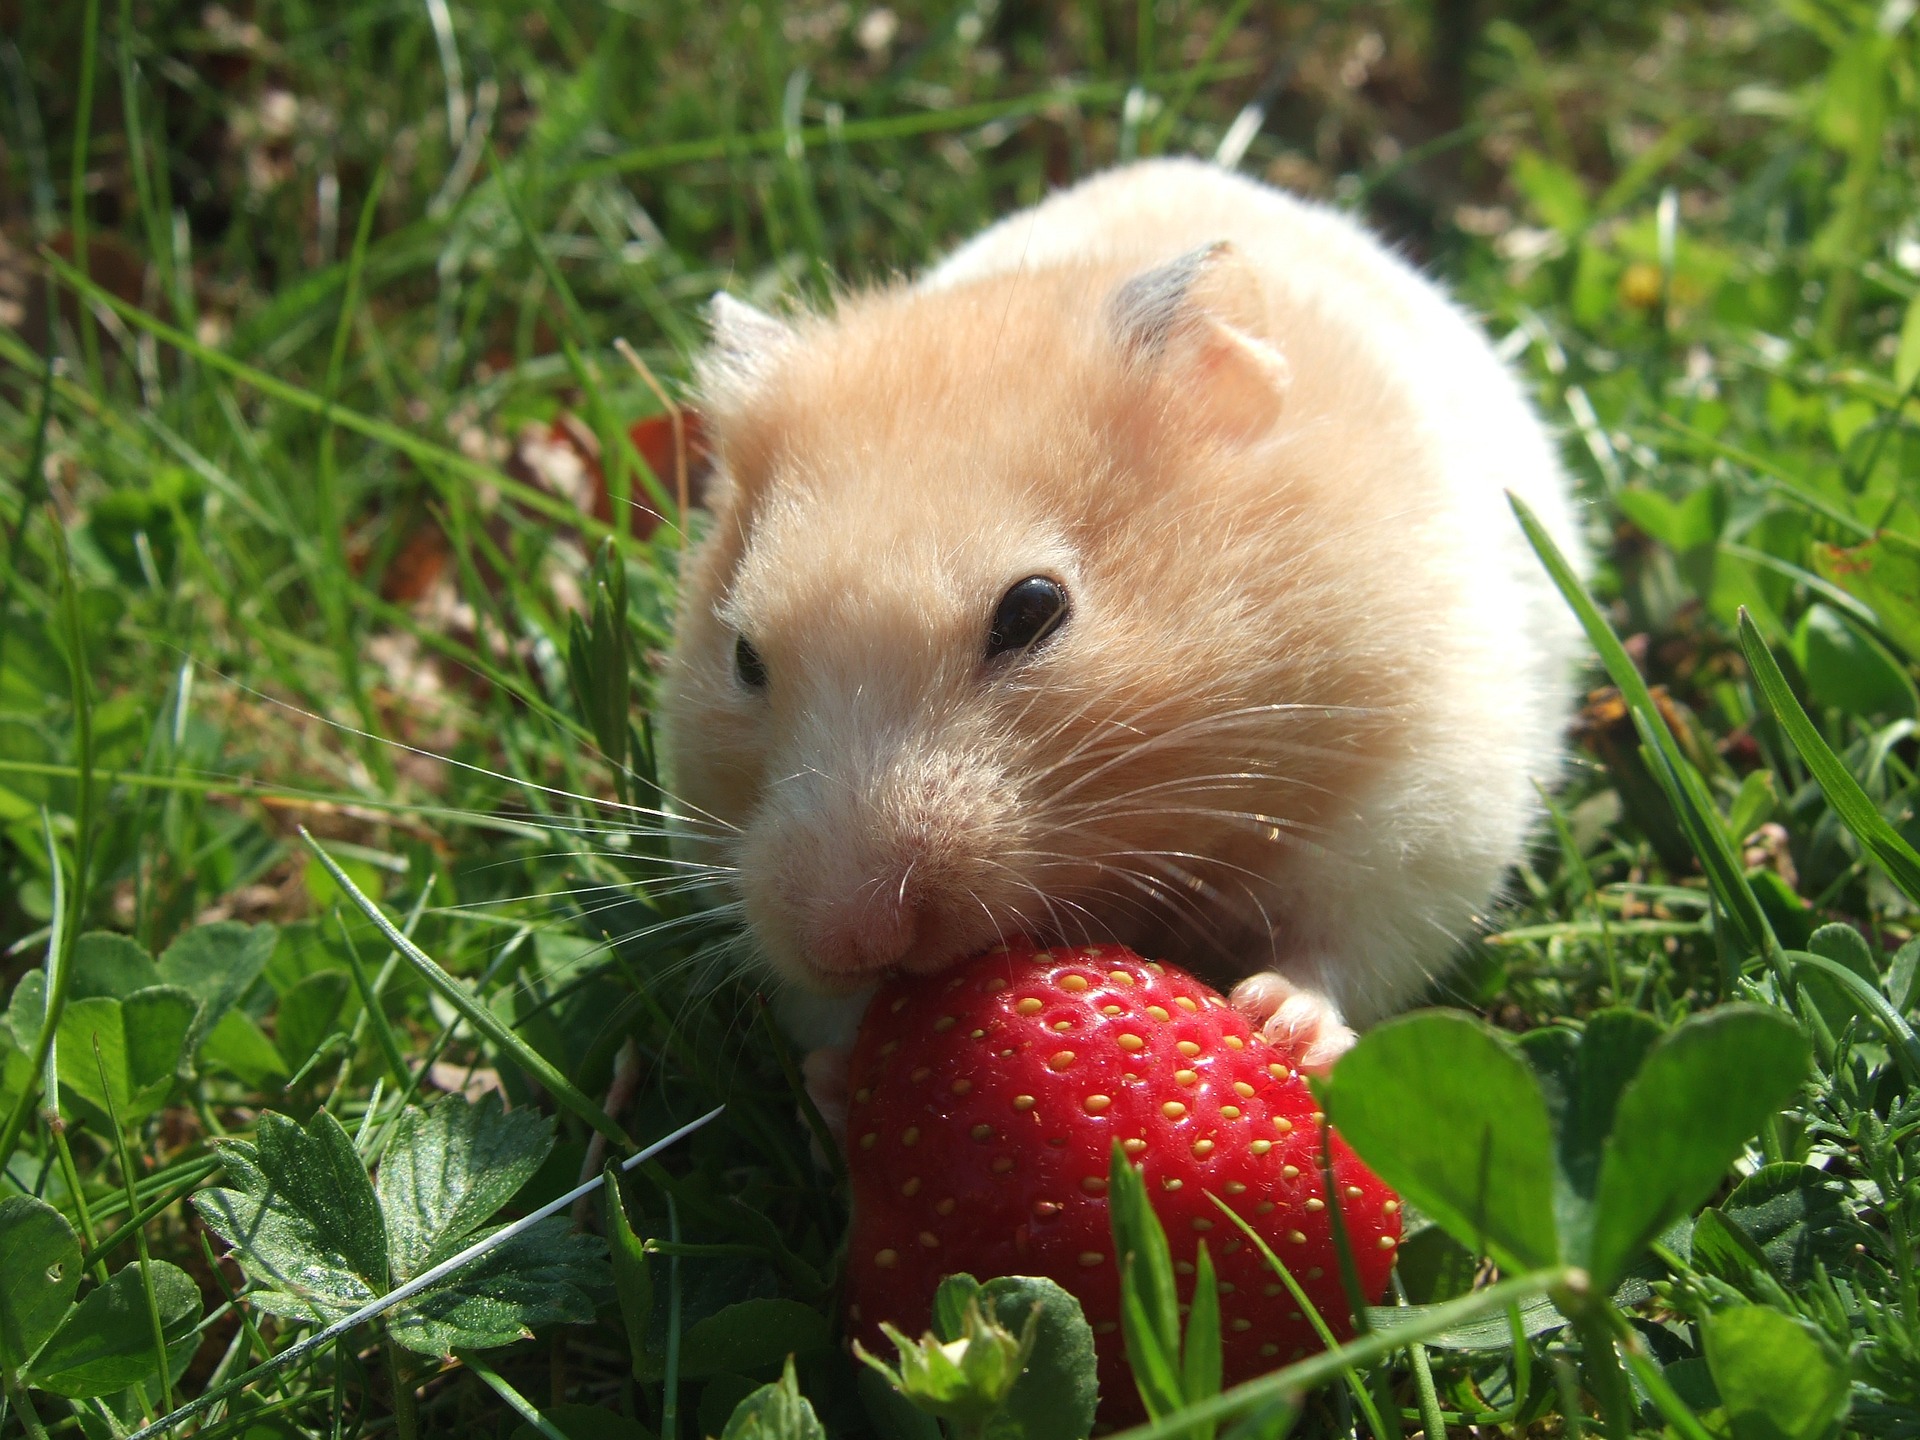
<point>1214,280</point>
<point>1199,323</point>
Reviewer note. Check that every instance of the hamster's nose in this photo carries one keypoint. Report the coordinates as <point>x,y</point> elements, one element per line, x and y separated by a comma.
<point>868,935</point>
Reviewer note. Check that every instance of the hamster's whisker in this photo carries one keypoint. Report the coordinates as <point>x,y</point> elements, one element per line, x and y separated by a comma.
<point>676,867</point>
<point>1137,745</point>
<point>1239,783</point>
<point>668,862</point>
<point>1251,818</point>
<point>1066,861</point>
<point>1185,877</point>
<point>1148,883</point>
<point>1243,774</point>
<point>520,782</point>
<point>477,907</point>
<point>1049,900</point>
<point>1134,724</point>
<point>1243,785</point>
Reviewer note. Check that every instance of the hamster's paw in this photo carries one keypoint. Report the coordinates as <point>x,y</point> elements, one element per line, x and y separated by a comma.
<point>1303,1021</point>
<point>825,1073</point>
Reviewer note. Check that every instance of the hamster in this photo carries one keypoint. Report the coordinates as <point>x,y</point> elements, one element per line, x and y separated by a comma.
<point>1144,573</point>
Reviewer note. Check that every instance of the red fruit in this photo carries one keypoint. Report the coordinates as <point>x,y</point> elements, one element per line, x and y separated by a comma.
<point>986,1102</point>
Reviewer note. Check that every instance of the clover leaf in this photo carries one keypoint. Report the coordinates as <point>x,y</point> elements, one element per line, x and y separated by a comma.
<point>104,1343</point>
<point>1585,1155</point>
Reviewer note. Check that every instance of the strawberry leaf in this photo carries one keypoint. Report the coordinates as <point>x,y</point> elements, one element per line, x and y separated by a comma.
<point>303,1219</point>
<point>964,1380</point>
<point>1443,1107</point>
<point>319,1242</point>
<point>1058,1388</point>
<point>950,1305</point>
<point>1699,1095</point>
<point>1795,1215</point>
<point>546,1275</point>
<point>958,1370</point>
<point>447,1169</point>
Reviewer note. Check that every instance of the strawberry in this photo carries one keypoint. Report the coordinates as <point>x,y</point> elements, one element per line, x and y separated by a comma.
<point>985,1103</point>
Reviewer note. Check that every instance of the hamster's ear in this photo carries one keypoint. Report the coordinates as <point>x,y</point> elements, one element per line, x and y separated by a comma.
<point>1200,323</point>
<point>746,344</point>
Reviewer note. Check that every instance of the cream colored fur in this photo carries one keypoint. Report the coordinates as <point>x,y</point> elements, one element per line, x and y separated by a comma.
<point>1312,673</point>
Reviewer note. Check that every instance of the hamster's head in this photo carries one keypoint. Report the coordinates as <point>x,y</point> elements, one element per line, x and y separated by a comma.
<point>980,641</point>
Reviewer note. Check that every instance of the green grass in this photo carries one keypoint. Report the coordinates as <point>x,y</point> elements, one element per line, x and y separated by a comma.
<point>274,555</point>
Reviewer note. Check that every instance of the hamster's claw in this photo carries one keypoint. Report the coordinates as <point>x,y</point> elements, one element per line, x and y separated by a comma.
<point>825,1073</point>
<point>1303,1021</point>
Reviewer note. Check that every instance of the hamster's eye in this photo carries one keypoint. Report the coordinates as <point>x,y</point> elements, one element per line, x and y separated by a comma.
<point>1027,614</point>
<point>748,665</point>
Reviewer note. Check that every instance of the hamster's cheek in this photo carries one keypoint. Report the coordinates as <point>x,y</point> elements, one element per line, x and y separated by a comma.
<point>713,747</point>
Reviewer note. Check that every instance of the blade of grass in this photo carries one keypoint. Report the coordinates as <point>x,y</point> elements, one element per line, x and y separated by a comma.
<point>22,1404</point>
<point>1707,837</point>
<point>516,1402</point>
<point>809,1112</point>
<point>1317,1370</point>
<point>887,127</point>
<point>1388,1413</point>
<point>477,1015</point>
<point>578,337</point>
<point>32,479</point>
<point>125,1158</point>
<point>146,1214</point>
<point>370,1006</point>
<point>1200,1348</point>
<point>250,1335</point>
<point>1856,811</point>
<point>1431,1421</point>
<point>328,580</point>
<point>1906,1046</point>
<point>289,797</point>
<point>1685,791</point>
<point>153,216</point>
<point>73,919</point>
<point>670,1394</point>
<point>77,181</point>
<point>431,457</point>
<point>313,1343</point>
<point>1224,30</point>
<point>1356,1386</point>
<point>1633,1350</point>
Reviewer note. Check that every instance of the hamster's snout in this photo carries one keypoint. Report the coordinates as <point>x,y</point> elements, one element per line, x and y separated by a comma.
<point>890,928</point>
<point>871,932</point>
<point>845,881</point>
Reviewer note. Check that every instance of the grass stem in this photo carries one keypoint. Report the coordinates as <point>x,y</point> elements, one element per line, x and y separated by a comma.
<point>78,220</point>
